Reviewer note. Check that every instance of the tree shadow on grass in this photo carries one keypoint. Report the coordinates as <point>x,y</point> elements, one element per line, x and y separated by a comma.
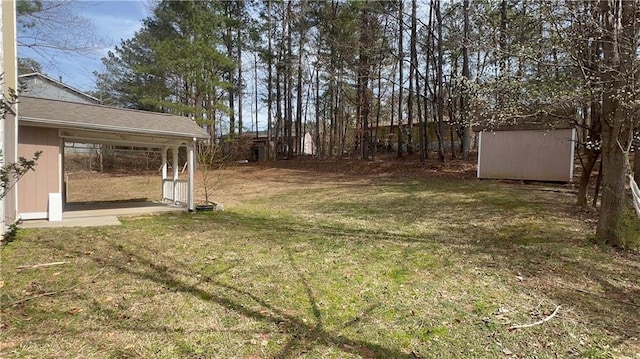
<point>300,341</point>
<point>298,330</point>
<point>597,284</point>
<point>541,250</point>
<point>553,259</point>
<point>303,335</point>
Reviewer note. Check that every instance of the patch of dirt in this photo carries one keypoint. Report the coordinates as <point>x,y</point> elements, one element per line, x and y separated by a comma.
<point>245,181</point>
<point>238,182</point>
<point>385,167</point>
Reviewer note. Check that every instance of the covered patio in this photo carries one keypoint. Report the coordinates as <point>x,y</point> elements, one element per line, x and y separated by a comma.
<point>46,125</point>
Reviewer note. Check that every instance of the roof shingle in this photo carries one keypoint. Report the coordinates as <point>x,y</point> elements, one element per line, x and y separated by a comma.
<point>62,114</point>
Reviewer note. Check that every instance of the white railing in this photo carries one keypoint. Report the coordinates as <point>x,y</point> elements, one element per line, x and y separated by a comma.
<point>175,191</point>
<point>635,194</point>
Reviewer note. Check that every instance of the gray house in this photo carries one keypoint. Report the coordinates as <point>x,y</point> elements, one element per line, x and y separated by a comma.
<point>42,86</point>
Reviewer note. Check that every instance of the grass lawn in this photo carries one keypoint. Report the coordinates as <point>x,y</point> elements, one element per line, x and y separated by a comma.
<point>317,263</point>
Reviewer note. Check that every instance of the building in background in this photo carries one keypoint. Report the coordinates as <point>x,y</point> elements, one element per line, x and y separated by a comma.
<point>42,86</point>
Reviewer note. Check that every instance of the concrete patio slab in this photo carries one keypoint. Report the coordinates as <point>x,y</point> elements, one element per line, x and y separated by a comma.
<point>73,222</point>
<point>102,214</point>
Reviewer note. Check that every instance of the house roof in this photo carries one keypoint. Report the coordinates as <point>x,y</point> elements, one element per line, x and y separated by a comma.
<point>60,85</point>
<point>99,122</point>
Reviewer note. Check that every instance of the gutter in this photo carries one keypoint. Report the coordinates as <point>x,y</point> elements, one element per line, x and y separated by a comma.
<point>107,128</point>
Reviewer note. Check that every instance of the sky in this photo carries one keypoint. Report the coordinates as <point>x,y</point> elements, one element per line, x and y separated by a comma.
<point>112,20</point>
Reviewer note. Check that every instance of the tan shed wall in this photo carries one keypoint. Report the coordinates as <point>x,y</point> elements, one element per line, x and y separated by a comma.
<point>35,186</point>
<point>527,155</point>
<point>10,156</point>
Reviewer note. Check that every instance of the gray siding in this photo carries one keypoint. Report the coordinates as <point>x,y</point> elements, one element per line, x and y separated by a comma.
<point>42,88</point>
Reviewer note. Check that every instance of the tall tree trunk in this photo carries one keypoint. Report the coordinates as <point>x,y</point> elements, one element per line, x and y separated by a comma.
<point>239,63</point>
<point>400,75</point>
<point>318,142</point>
<point>277,136</point>
<point>332,112</point>
<point>421,121</point>
<point>323,143</point>
<point>255,90</point>
<point>363,81</point>
<point>425,99</point>
<point>439,84</point>
<point>452,108</point>
<point>416,76</point>
<point>594,133</point>
<point>613,183</point>
<point>231,78</point>
<point>288,124</point>
<point>376,139</point>
<point>239,89</point>
<point>592,126</point>
<point>412,71</point>
<point>305,118</point>
<point>465,119</point>
<point>340,144</point>
<point>298,133</point>
<point>619,53</point>
<point>269,81</point>
<point>392,129</point>
<point>333,86</point>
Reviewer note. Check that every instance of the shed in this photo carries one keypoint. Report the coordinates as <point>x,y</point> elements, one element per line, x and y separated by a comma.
<point>527,153</point>
<point>256,143</point>
<point>45,124</point>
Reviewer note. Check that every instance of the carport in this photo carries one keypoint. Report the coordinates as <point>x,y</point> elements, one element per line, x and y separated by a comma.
<point>45,125</point>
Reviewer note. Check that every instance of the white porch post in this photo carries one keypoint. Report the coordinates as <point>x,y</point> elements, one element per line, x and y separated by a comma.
<point>176,165</point>
<point>164,170</point>
<point>191,159</point>
<point>164,163</point>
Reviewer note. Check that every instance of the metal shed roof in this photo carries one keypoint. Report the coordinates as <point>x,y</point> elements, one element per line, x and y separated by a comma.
<point>104,124</point>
